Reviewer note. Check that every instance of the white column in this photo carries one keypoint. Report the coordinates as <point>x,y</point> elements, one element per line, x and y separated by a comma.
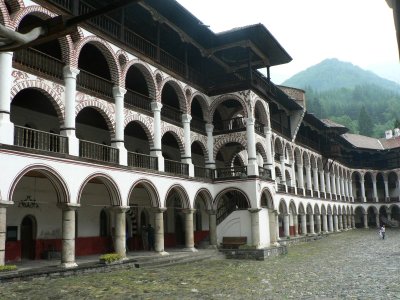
<point>346,186</point>
<point>286,225</point>
<point>335,223</point>
<point>270,159</point>
<point>189,234</point>
<point>311,216</point>
<point>328,184</point>
<point>363,199</point>
<point>385,181</point>
<point>340,222</point>
<point>377,221</point>
<point>159,230</point>
<point>318,221</point>
<point>303,224</point>
<point>365,219</point>
<point>156,151</point>
<point>338,192</point>
<point>252,166</point>
<point>210,163</point>
<point>333,184</point>
<point>120,230</point>
<point>322,180</point>
<point>283,168</point>
<point>296,225</point>
<point>213,228</point>
<point>330,221</point>
<point>255,227</point>
<point>342,188</point>
<point>301,176</point>
<point>3,229</point>
<point>315,178</point>
<point>68,129</point>
<point>351,190</point>
<point>277,226</point>
<point>118,141</point>
<point>186,118</point>
<point>308,178</point>
<point>68,235</point>
<point>375,190</point>
<point>6,127</point>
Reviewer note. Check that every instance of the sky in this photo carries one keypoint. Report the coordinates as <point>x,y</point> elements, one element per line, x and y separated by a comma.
<point>361,32</point>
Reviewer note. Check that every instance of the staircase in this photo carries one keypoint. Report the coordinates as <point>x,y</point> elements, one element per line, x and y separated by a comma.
<point>175,258</point>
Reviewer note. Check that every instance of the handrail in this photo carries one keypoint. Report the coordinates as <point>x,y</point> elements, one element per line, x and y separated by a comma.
<point>98,151</point>
<point>234,124</point>
<point>231,172</point>
<point>95,83</point>
<point>137,100</point>
<point>142,161</point>
<point>264,173</point>
<point>40,140</point>
<point>202,172</point>
<point>172,114</point>
<point>176,167</point>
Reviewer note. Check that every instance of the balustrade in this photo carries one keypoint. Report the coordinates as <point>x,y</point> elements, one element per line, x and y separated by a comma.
<point>264,173</point>
<point>135,100</point>
<point>232,172</point>
<point>198,125</point>
<point>143,161</point>
<point>40,140</point>
<point>231,125</point>
<point>176,167</point>
<point>171,114</point>
<point>300,191</point>
<point>201,172</point>
<point>281,188</point>
<point>98,152</point>
<point>95,84</point>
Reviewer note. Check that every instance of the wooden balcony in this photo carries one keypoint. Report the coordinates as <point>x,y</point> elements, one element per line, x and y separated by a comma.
<point>231,125</point>
<point>176,167</point>
<point>206,173</point>
<point>143,161</point>
<point>92,83</point>
<point>281,188</point>
<point>198,125</point>
<point>40,140</point>
<point>232,172</point>
<point>264,173</point>
<point>137,101</point>
<point>98,152</point>
<point>172,115</point>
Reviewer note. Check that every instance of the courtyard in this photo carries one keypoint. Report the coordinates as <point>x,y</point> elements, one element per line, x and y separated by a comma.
<point>352,265</point>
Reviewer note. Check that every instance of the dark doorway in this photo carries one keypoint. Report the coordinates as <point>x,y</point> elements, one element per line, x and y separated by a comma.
<point>28,233</point>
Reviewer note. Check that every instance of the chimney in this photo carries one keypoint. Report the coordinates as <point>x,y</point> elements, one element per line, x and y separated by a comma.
<point>388,134</point>
<point>396,132</point>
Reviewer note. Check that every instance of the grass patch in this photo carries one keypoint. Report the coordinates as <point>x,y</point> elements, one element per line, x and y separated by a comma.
<point>8,268</point>
<point>110,257</point>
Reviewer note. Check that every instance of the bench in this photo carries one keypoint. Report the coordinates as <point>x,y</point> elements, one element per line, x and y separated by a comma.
<point>233,242</point>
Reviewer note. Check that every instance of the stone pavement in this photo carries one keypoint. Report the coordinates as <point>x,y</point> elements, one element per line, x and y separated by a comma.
<point>351,265</point>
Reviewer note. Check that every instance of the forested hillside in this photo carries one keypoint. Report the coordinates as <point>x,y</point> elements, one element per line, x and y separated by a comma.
<point>362,101</point>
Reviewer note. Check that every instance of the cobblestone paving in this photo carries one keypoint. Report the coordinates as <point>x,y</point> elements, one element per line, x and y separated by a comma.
<point>351,265</point>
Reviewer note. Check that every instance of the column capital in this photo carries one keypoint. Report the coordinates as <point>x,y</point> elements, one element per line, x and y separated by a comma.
<point>6,203</point>
<point>156,106</point>
<point>120,209</point>
<point>209,127</point>
<point>70,72</point>
<point>186,118</point>
<point>68,206</point>
<point>118,91</point>
<point>188,210</point>
<point>250,121</point>
<point>159,209</point>
<point>254,210</point>
<point>211,211</point>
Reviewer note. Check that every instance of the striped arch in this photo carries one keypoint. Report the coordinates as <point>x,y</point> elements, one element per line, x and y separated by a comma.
<point>177,133</point>
<point>323,209</point>
<point>290,151</point>
<point>202,145</point>
<point>283,209</point>
<point>53,94</point>
<point>183,196</point>
<point>106,50</point>
<point>109,183</point>
<point>278,146</point>
<point>266,199</point>
<point>151,190</point>
<point>42,13</point>
<point>4,15</point>
<point>146,72</point>
<point>58,182</point>
<point>178,90</point>
<point>316,209</point>
<point>123,59</point>
<point>306,159</point>
<point>262,107</point>
<point>261,149</point>
<point>301,210</point>
<point>101,108</point>
<point>297,156</point>
<point>228,139</point>
<point>217,101</point>
<point>292,207</point>
<point>224,191</point>
<point>206,196</point>
<point>15,5</point>
<point>203,103</point>
<point>144,123</point>
<point>309,209</point>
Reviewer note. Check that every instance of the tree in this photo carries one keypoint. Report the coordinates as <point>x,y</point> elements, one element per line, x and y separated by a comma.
<point>397,123</point>
<point>365,126</point>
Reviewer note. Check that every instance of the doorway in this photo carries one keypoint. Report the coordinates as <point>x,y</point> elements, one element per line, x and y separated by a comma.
<point>28,235</point>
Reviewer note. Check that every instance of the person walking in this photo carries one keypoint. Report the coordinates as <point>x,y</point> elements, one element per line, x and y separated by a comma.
<point>383,232</point>
<point>150,233</point>
<point>145,238</point>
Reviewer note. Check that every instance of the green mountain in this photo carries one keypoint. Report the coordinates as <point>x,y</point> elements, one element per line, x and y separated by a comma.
<point>333,74</point>
<point>360,100</point>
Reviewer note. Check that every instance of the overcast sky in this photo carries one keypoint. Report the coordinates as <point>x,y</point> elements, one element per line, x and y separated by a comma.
<point>358,31</point>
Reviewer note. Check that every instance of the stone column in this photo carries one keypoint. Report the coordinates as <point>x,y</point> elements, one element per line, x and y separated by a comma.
<point>328,183</point>
<point>6,126</point>
<point>286,225</point>
<point>365,219</point>
<point>70,73</point>
<point>186,118</point>
<point>363,198</point>
<point>213,228</point>
<point>301,176</point>
<point>252,166</point>
<point>296,225</point>
<point>312,230</point>
<point>340,222</point>
<point>210,163</point>
<point>277,226</point>
<point>386,182</point>
<point>120,230</point>
<point>270,158</point>
<point>324,223</point>
<point>189,234</point>
<point>303,224</point>
<point>322,180</point>
<point>68,235</point>
<point>335,223</point>
<point>3,229</point>
<point>318,221</point>
<point>338,189</point>
<point>333,184</point>
<point>351,190</point>
<point>118,141</point>
<point>159,230</point>
<point>315,177</point>
<point>308,179</point>
<point>353,221</point>
<point>273,225</point>
<point>283,168</point>
<point>156,151</point>
<point>255,227</point>
<point>346,187</point>
<point>375,189</point>
<point>330,221</point>
<point>378,222</point>
<point>344,222</point>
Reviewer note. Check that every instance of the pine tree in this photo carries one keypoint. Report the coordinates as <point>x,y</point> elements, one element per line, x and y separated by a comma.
<point>365,126</point>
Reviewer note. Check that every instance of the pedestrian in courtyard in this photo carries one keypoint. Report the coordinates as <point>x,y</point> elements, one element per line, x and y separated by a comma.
<point>144,233</point>
<point>150,233</point>
<point>383,232</point>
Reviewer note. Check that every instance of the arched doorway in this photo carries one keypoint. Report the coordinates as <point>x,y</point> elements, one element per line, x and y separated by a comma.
<point>28,237</point>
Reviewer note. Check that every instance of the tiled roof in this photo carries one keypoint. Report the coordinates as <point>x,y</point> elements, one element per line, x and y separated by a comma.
<point>361,141</point>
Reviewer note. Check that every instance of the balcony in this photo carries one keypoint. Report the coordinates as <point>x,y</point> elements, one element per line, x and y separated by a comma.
<point>281,188</point>
<point>142,161</point>
<point>40,140</point>
<point>308,193</point>
<point>176,167</point>
<point>98,152</point>
<point>232,172</point>
<point>206,173</point>
<point>198,125</point>
<point>291,190</point>
<point>171,115</point>
<point>259,128</point>
<point>231,125</point>
<point>136,101</point>
<point>264,173</point>
<point>300,191</point>
<point>94,84</point>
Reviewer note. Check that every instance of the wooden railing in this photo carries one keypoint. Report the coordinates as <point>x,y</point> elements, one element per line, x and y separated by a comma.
<point>235,124</point>
<point>143,161</point>
<point>176,167</point>
<point>300,191</point>
<point>291,190</point>
<point>39,62</point>
<point>95,84</point>
<point>315,194</point>
<point>171,114</point>
<point>198,125</point>
<point>264,173</point>
<point>232,172</point>
<point>40,140</point>
<point>308,193</point>
<point>281,188</point>
<point>135,100</point>
<point>98,152</point>
<point>259,128</point>
<point>201,172</point>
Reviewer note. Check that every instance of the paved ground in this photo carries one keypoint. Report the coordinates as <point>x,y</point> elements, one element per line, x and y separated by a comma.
<point>350,265</point>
